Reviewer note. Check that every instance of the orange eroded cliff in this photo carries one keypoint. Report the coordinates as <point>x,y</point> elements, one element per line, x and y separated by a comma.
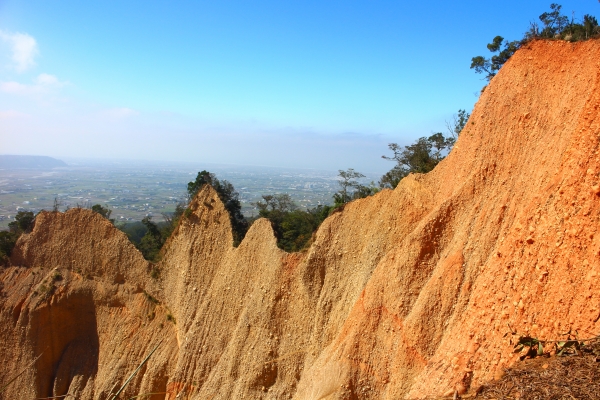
<point>404,294</point>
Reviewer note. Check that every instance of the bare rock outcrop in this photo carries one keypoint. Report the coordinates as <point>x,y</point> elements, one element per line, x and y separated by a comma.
<point>406,294</point>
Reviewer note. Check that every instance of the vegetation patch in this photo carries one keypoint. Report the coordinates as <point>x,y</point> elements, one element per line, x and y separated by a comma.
<point>422,156</point>
<point>154,272</point>
<point>548,369</point>
<point>149,237</point>
<point>230,198</point>
<point>46,290</point>
<point>171,318</point>
<point>23,223</point>
<point>293,227</point>
<point>553,25</point>
<point>104,211</point>
<point>7,243</point>
<point>574,376</point>
<point>56,276</point>
<point>151,298</point>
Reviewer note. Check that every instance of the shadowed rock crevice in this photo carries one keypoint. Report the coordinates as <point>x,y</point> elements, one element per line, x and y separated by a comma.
<point>65,333</point>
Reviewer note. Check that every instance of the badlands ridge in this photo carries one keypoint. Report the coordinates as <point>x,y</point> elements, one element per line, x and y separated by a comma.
<point>406,294</point>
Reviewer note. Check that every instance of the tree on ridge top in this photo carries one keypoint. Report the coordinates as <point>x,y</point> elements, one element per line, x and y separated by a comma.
<point>228,195</point>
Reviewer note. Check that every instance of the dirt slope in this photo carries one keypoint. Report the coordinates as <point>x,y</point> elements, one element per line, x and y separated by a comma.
<point>404,294</point>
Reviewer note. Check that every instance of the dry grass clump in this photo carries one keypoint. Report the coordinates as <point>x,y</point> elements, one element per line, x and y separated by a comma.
<point>569,377</point>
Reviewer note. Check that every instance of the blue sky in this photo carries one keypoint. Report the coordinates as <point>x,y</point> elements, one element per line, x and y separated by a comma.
<point>309,84</point>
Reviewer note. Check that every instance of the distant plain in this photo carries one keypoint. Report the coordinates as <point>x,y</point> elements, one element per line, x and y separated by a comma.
<point>135,189</point>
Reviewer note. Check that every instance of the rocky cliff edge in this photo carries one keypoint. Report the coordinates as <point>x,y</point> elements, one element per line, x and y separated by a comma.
<point>406,294</point>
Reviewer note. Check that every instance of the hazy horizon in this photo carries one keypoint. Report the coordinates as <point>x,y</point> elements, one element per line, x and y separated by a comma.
<point>135,189</point>
<point>324,85</point>
<point>197,165</point>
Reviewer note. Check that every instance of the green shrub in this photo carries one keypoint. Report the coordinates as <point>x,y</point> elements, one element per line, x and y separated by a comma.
<point>230,198</point>
<point>155,272</point>
<point>554,25</point>
<point>151,298</point>
<point>135,231</point>
<point>23,223</point>
<point>293,228</point>
<point>7,243</point>
<point>104,211</point>
<point>419,157</point>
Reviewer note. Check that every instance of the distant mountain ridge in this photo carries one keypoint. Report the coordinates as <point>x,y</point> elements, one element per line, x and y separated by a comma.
<point>29,162</point>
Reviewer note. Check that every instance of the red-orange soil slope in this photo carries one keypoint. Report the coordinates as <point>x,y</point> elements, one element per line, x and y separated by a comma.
<point>406,294</point>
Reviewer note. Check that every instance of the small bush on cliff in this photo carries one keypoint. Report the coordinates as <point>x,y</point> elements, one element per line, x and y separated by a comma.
<point>490,67</point>
<point>104,211</point>
<point>230,198</point>
<point>293,227</point>
<point>171,318</point>
<point>423,155</point>
<point>149,237</point>
<point>350,188</point>
<point>23,223</point>
<point>562,369</point>
<point>458,123</point>
<point>419,157</point>
<point>152,241</point>
<point>57,276</point>
<point>7,243</point>
<point>172,219</point>
<point>554,25</point>
<point>135,231</point>
<point>531,347</point>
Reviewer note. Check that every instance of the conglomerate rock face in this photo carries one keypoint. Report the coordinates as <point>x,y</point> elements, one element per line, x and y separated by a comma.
<point>406,294</point>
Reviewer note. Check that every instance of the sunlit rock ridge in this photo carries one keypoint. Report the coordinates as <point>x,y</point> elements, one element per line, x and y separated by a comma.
<point>406,294</point>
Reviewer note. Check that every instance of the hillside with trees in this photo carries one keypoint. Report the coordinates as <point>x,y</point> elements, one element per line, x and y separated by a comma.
<point>553,25</point>
<point>436,289</point>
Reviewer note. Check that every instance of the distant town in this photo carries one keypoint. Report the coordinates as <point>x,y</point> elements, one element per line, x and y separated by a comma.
<point>134,190</point>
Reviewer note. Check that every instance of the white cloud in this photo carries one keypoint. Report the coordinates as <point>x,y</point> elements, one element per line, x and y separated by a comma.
<point>23,47</point>
<point>122,112</point>
<point>20,89</point>
<point>43,83</point>
<point>47,79</point>
<point>9,114</point>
